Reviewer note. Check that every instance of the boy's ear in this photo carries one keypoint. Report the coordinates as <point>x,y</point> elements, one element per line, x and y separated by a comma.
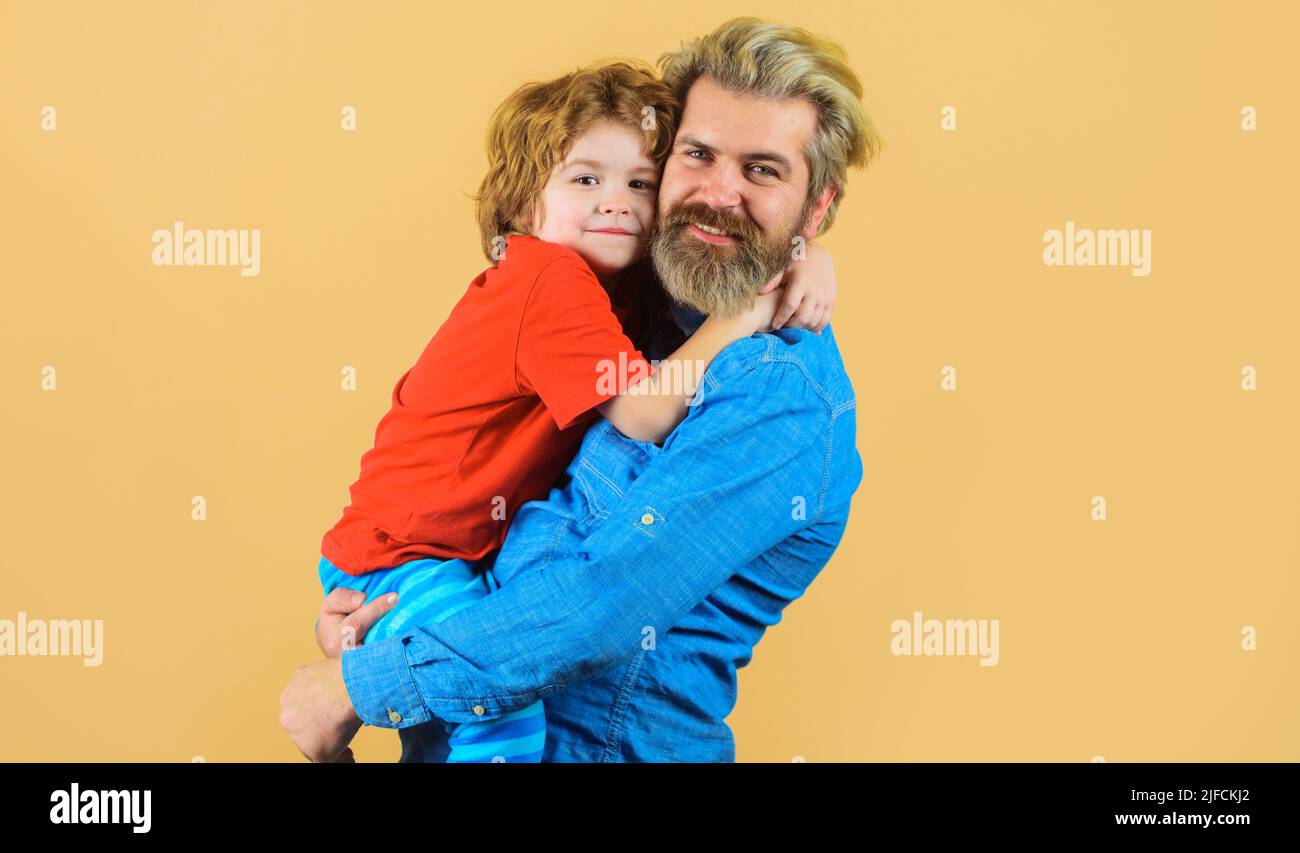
<point>818,211</point>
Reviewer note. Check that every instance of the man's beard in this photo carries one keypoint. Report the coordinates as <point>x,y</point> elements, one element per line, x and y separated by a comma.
<point>712,278</point>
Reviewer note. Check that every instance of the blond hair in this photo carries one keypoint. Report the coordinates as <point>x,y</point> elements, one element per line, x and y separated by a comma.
<point>533,130</point>
<point>751,56</point>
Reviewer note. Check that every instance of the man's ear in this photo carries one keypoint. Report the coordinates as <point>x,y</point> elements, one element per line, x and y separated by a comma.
<point>818,211</point>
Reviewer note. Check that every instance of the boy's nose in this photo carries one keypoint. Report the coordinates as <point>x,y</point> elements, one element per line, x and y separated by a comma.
<point>614,207</point>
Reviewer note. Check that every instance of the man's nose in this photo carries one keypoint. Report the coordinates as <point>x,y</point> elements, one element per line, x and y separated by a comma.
<point>720,187</point>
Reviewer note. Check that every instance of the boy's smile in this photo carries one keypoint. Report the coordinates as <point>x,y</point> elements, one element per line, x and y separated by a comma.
<point>600,201</point>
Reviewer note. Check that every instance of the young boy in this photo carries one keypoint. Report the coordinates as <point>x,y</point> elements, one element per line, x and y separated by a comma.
<point>493,410</point>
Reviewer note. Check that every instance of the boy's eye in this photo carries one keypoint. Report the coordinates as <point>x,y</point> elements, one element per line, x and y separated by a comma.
<point>638,184</point>
<point>581,178</point>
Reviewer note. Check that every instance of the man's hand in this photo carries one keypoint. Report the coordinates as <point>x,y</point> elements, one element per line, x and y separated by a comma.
<point>343,622</point>
<point>317,713</point>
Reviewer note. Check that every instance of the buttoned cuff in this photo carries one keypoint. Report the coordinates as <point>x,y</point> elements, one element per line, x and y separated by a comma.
<point>379,683</point>
<point>480,708</point>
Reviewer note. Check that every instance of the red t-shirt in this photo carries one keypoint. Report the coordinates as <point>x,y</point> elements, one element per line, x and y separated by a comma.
<point>491,413</point>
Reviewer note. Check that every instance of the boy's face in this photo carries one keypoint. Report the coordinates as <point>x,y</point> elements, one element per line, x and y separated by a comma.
<point>600,201</point>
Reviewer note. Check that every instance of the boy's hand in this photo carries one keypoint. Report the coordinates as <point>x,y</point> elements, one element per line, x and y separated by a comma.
<point>766,304</point>
<point>343,622</point>
<point>809,287</point>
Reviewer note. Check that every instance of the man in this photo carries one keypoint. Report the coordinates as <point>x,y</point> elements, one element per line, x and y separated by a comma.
<point>629,599</point>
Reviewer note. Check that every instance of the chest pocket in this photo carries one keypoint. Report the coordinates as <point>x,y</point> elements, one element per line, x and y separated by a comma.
<point>608,466</point>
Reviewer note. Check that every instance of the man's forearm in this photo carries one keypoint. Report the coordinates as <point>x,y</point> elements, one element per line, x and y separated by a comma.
<point>410,679</point>
<point>661,550</point>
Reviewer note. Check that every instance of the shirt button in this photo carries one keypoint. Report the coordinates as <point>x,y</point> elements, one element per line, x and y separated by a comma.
<point>647,519</point>
<point>393,716</point>
<point>480,710</point>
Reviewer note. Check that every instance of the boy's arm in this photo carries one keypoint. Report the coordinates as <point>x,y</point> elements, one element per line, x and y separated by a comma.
<point>809,286</point>
<point>720,494</point>
<point>570,345</point>
<point>802,297</point>
<point>573,353</point>
<point>650,409</point>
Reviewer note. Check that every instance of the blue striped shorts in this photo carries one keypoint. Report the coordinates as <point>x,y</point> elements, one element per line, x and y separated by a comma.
<point>429,591</point>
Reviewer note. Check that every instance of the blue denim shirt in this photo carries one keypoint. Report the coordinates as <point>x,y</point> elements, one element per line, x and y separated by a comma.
<point>630,597</point>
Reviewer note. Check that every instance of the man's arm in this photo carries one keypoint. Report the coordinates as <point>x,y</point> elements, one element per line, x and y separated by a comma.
<point>724,490</point>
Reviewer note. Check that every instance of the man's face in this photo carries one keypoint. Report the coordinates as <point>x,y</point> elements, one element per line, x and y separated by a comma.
<point>737,167</point>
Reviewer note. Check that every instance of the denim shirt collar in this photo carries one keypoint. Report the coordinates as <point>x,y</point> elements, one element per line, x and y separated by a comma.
<point>687,318</point>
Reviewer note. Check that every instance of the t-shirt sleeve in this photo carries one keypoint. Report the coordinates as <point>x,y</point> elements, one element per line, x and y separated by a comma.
<point>572,351</point>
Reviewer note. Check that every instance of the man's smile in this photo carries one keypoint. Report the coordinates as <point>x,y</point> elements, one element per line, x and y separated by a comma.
<point>708,234</point>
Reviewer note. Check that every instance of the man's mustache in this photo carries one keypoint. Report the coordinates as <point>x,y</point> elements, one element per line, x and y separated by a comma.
<point>741,229</point>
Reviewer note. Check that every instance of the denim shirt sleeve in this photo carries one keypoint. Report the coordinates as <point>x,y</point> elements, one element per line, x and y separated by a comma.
<point>745,470</point>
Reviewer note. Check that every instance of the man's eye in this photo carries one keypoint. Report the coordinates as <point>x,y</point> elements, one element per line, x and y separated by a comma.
<point>695,151</point>
<point>581,178</point>
<point>767,173</point>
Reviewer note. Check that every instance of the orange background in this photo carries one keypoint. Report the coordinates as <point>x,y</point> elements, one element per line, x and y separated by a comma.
<point>1118,638</point>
